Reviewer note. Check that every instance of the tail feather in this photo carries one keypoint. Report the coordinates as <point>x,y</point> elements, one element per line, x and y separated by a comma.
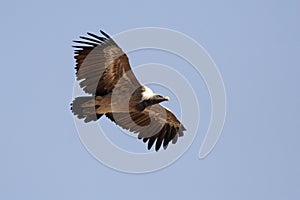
<point>85,108</point>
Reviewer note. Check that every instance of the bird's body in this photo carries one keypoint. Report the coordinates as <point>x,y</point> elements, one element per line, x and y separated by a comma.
<point>104,71</point>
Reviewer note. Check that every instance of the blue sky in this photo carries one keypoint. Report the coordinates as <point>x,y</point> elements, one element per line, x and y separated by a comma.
<point>255,45</point>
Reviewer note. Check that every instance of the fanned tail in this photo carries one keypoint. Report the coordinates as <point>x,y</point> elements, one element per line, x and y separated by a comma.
<point>85,108</point>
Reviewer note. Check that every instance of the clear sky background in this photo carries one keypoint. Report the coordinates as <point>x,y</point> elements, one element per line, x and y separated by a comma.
<point>256,46</point>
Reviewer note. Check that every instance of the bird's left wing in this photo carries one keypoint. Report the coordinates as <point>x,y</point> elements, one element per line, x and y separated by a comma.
<point>154,124</point>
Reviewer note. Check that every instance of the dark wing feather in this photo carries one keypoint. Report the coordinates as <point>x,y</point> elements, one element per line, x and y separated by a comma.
<point>154,124</point>
<point>100,64</point>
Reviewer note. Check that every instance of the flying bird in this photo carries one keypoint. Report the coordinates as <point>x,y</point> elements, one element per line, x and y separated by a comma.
<point>104,72</point>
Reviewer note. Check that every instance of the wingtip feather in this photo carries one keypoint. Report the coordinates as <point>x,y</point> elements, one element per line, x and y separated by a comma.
<point>103,33</point>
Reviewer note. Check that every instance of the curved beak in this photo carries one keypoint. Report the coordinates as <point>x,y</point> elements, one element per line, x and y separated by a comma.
<point>159,98</point>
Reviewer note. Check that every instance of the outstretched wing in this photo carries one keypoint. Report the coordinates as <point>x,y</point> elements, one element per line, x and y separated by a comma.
<point>100,64</point>
<point>154,124</point>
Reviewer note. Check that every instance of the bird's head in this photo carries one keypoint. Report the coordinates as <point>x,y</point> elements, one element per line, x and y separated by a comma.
<point>148,98</point>
<point>148,95</point>
<point>159,98</point>
<point>154,99</point>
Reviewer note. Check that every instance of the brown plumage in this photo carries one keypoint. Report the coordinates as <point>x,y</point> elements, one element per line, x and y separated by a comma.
<point>103,70</point>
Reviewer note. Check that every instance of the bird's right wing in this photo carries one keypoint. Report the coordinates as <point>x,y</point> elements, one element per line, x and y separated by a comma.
<point>154,124</point>
<point>100,64</point>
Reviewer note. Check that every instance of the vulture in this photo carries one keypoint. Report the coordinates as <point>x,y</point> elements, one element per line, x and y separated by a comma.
<point>104,73</point>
